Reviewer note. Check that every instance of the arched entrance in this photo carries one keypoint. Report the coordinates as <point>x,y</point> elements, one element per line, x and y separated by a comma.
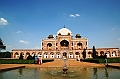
<point>39,54</point>
<point>113,54</point>
<point>64,44</point>
<point>27,54</point>
<point>108,54</point>
<point>79,45</point>
<point>90,54</point>
<point>49,45</point>
<point>70,55</point>
<point>16,55</point>
<point>51,55</point>
<point>77,55</point>
<point>58,55</point>
<point>32,54</point>
<point>101,53</point>
<point>65,54</point>
<point>45,55</point>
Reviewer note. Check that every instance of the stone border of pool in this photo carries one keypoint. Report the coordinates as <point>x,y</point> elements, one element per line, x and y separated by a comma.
<point>114,65</point>
<point>6,67</point>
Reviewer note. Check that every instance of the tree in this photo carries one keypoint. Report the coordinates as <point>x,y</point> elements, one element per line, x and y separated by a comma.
<point>6,54</point>
<point>29,57</point>
<point>1,45</point>
<point>84,53</point>
<point>94,52</point>
<point>21,56</point>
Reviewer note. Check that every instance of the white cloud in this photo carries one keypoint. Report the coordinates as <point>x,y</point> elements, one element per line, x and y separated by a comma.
<point>74,15</point>
<point>77,15</point>
<point>3,22</point>
<point>113,28</point>
<point>71,15</point>
<point>18,31</point>
<point>24,42</point>
<point>118,39</point>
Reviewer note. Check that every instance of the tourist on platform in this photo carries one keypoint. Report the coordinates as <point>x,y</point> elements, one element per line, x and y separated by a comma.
<point>105,58</point>
<point>39,61</point>
<point>36,59</point>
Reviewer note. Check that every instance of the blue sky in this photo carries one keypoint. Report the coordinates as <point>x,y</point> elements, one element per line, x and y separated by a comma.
<point>24,23</point>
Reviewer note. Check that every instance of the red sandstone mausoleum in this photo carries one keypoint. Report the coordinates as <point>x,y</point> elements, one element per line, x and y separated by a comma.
<point>64,42</point>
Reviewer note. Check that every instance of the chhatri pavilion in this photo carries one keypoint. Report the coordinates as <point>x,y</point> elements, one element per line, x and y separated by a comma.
<point>64,42</point>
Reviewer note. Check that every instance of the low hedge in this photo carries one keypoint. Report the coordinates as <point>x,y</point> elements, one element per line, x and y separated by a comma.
<point>18,61</point>
<point>101,60</point>
<point>90,60</point>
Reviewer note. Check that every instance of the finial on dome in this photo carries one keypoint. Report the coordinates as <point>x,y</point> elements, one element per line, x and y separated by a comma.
<point>64,26</point>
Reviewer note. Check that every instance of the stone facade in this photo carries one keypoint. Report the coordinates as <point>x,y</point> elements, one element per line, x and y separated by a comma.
<point>64,44</point>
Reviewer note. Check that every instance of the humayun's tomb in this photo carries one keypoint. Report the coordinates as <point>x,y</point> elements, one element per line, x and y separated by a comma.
<point>64,42</point>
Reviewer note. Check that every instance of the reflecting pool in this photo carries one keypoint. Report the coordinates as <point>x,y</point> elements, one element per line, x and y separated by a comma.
<point>57,73</point>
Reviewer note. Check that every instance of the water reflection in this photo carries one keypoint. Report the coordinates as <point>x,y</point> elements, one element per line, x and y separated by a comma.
<point>106,72</point>
<point>95,73</point>
<point>57,73</point>
<point>20,70</point>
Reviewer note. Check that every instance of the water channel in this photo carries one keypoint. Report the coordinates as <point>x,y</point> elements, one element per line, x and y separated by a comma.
<point>57,73</point>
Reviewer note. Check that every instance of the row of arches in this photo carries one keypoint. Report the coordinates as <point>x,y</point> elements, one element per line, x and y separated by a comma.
<point>44,55</point>
<point>59,55</point>
<point>102,53</point>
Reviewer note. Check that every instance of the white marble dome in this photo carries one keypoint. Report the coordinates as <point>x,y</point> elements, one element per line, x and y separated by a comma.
<point>64,31</point>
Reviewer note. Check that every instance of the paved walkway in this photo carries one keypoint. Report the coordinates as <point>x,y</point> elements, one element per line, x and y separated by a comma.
<point>56,63</point>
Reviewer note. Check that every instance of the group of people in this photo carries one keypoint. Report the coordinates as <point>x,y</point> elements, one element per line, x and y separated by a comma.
<point>38,60</point>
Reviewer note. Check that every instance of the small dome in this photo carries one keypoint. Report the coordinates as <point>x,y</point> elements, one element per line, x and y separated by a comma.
<point>78,36</point>
<point>64,31</point>
<point>50,36</point>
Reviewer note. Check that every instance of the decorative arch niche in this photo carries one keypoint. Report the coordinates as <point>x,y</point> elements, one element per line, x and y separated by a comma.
<point>79,44</point>
<point>64,43</point>
<point>49,44</point>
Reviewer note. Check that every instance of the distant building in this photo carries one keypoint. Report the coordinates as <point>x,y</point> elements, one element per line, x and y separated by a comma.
<point>64,44</point>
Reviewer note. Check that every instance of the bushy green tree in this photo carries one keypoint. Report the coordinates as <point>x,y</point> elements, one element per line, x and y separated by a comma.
<point>29,57</point>
<point>84,53</point>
